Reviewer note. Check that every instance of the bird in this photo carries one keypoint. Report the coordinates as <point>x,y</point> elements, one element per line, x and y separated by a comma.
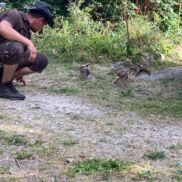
<point>84,71</point>
<point>125,74</point>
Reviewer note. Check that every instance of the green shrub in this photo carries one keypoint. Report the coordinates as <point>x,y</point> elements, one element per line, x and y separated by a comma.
<point>82,39</point>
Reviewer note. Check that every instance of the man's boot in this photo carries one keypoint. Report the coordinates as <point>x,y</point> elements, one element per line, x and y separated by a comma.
<point>8,91</point>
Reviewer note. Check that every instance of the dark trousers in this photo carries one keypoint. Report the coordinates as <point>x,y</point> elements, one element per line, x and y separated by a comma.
<point>16,53</point>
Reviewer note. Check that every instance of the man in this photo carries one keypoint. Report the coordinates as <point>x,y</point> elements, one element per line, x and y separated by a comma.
<point>18,55</point>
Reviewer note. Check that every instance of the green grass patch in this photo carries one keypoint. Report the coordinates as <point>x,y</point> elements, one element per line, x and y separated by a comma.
<point>4,169</point>
<point>1,116</point>
<point>1,152</point>
<point>14,139</point>
<point>177,174</point>
<point>155,155</point>
<point>98,165</point>
<point>163,64</point>
<point>177,146</point>
<point>48,151</point>
<point>9,179</point>
<point>172,82</point>
<point>146,175</point>
<point>70,142</point>
<point>170,106</point>
<point>24,154</point>
<point>65,90</point>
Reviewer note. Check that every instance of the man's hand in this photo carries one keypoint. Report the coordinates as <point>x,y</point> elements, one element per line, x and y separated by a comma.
<point>21,80</point>
<point>32,51</point>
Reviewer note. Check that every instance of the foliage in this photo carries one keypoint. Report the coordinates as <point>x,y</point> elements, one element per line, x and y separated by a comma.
<point>8,139</point>
<point>19,4</point>
<point>4,169</point>
<point>18,140</point>
<point>154,155</point>
<point>24,154</point>
<point>98,165</point>
<point>96,30</point>
<point>69,142</point>
<point>177,146</point>
<point>85,40</point>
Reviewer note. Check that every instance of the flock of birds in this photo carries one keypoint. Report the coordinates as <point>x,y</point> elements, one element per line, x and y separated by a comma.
<point>122,74</point>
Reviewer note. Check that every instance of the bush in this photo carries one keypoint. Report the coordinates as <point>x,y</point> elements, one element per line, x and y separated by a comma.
<point>82,39</point>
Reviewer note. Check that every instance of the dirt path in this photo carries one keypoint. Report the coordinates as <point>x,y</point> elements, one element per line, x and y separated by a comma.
<point>99,132</point>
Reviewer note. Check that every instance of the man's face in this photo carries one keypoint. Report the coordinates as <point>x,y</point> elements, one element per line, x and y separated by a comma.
<point>38,24</point>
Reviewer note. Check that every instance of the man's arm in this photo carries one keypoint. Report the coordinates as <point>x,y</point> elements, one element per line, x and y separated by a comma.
<point>9,33</point>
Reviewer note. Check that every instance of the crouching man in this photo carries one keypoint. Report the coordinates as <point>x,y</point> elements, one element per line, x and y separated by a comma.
<point>18,55</point>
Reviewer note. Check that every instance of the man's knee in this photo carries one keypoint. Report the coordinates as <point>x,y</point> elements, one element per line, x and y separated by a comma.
<point>41,63</point>
<point>17,49</point>
<point>13,53</point>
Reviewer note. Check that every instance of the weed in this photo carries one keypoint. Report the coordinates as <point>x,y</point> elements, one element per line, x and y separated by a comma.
<point>177,175</point>
<point>9,179</point>
<point>4,169</point>
<point>13,139</point>
<point>9,139</point>
<point>65,90</point>
<point>70,142</point>
<point>163,64</point>
<point>177,146</point>
<point>2,115</point>
<point>46,151</point>
<point>1,152</point>
<point>23,155</point>
<point>170,106</point>
<point>154,155</point>
<point>148,175</point>
<point>125,93</point>
<point>98,165</point>
<point>169,81</point>
<point>37,142</point>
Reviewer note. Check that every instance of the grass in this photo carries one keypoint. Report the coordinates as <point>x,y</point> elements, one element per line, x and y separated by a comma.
<point>70,142</point>
<point>8,179</point>
<point>4,169</point>
<point>176,173</point>
<point>177,146</point>
<point>163,64</point>
<point>18,140</point>
<point>1,152</point>
<point>1,116</point>
<point>65,90</point>
<point>24,154</point>
<point>101,91</point>
<point>12,139</point>
<point>170,106</point>
<point>46,151</point>
<point>155,155</point>
<point>98,165</point>
<point>146,175</point>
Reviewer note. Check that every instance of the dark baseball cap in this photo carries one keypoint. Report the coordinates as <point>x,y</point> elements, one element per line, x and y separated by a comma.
<point>44,9</point>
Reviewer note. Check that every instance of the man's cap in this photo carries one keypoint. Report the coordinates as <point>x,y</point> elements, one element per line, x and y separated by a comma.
<point>44,9</point>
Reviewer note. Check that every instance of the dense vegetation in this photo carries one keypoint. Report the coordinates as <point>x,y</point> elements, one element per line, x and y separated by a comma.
<point>93,30</point>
